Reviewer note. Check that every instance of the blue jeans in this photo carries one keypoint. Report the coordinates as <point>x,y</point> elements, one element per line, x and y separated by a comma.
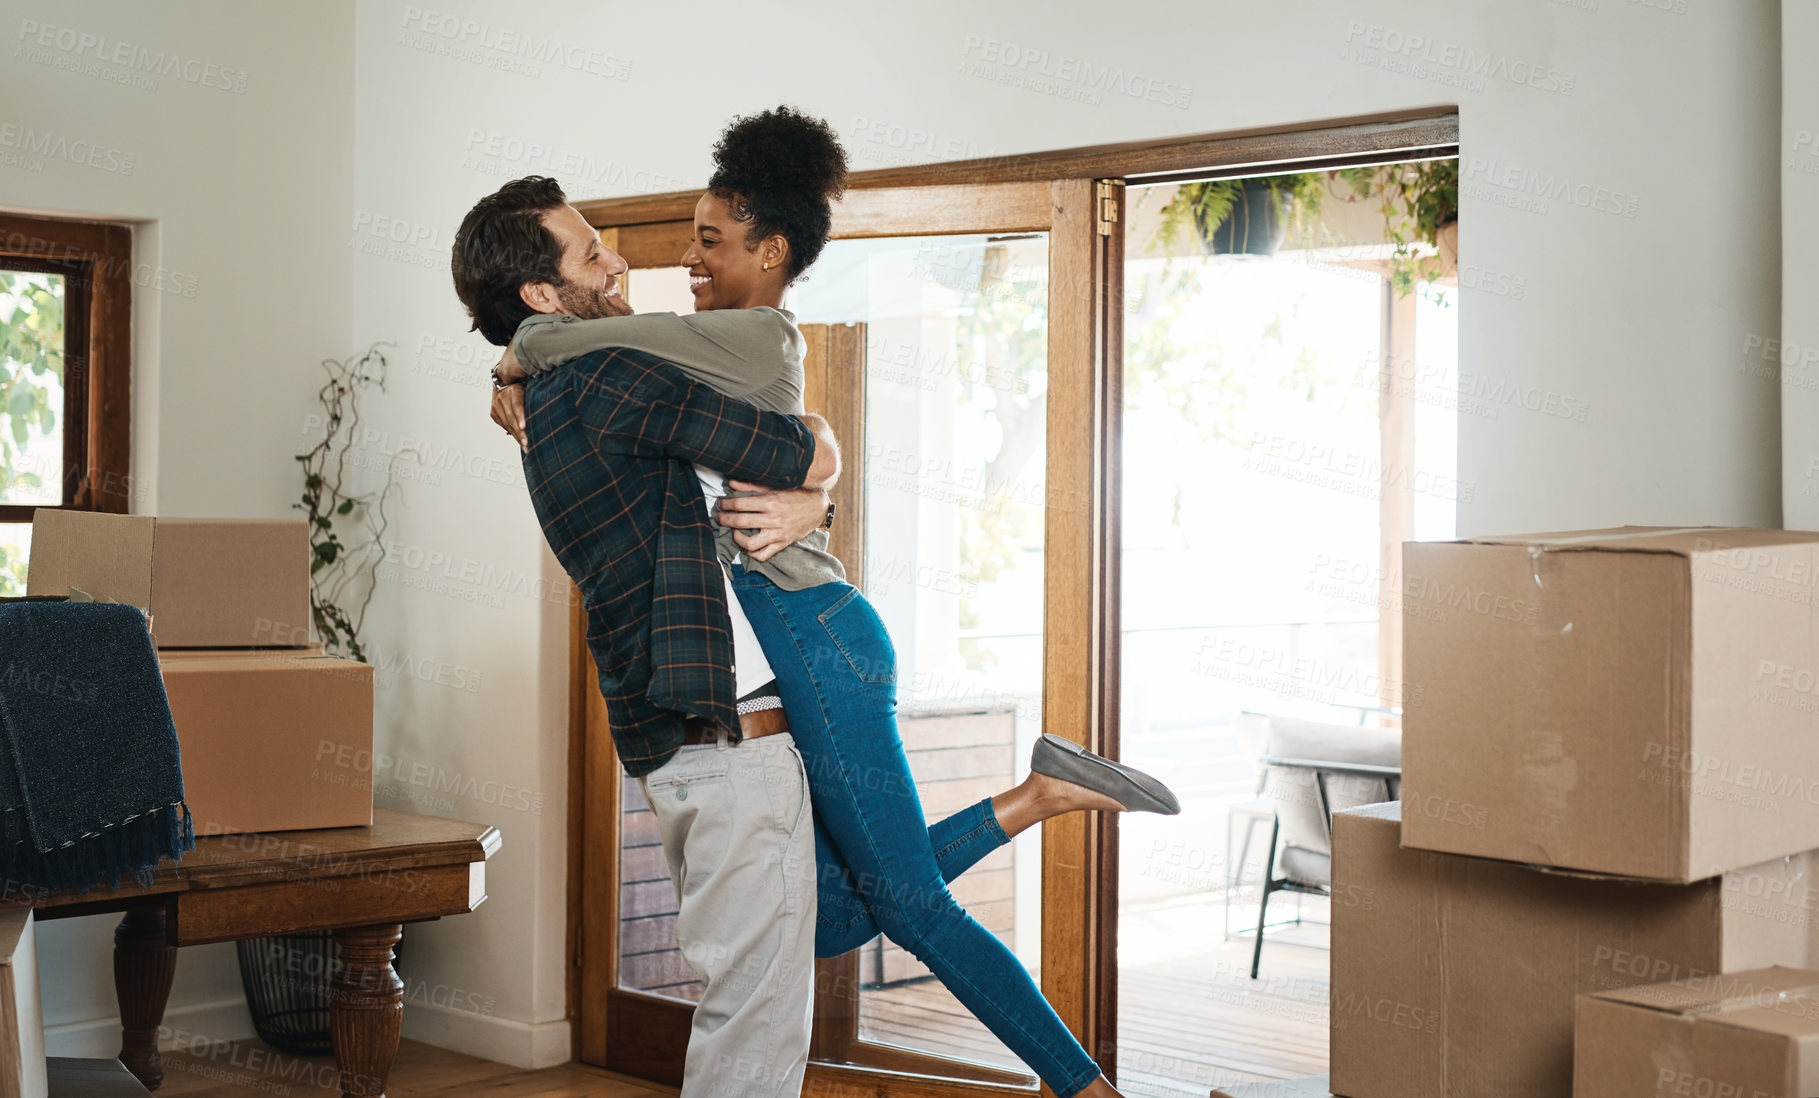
<point>883,868</point>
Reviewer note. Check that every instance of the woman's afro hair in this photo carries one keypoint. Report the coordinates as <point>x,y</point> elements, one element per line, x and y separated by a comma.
<point>780,171</point>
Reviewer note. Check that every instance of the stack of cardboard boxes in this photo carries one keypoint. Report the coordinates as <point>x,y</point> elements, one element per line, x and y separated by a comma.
<point>275,734</point>
<point>1609,815</point>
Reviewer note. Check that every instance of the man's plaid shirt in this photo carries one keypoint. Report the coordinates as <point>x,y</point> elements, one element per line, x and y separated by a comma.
<point>612,438</point>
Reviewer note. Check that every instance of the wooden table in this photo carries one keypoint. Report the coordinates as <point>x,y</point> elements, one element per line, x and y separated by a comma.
<point>362,883</point>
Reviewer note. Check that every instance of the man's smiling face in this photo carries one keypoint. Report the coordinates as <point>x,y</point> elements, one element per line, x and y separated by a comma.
<point>590,270</point>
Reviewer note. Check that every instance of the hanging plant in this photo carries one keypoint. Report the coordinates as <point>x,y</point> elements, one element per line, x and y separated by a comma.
<point>342,570</point>
<point>1420,203</point>
<point>1242,216</point>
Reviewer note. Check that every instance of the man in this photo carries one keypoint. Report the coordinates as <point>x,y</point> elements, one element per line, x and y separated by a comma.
<point>611,439</point>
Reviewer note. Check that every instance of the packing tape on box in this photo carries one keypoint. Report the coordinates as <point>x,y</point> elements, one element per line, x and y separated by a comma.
<point>1607,535</point>
<point>77,594</point>
<point>1550,614</point>
<point>1775,999</point>
<point>1778,999</point>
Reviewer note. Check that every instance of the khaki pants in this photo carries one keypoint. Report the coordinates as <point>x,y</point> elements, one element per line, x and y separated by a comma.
<point>739,838</point>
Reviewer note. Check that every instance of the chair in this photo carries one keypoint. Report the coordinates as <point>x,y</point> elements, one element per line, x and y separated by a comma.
<point>1252,731</point>
<point>1312,770</point>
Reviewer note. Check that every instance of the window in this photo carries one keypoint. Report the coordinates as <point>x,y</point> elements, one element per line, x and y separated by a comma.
<point>65,384</point>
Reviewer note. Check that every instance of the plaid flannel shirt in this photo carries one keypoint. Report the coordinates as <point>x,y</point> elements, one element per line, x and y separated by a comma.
<point>612,438</point>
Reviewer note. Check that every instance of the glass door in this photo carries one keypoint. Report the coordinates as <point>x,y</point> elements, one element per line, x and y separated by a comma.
<point>951,341</point>
<point>1289,419</point>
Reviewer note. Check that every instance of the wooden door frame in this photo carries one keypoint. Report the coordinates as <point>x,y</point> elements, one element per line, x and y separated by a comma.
<point>1069,194</point>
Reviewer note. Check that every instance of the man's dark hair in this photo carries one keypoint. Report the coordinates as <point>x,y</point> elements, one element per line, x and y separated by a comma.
<point>501,245</point>
<point>780,171</point>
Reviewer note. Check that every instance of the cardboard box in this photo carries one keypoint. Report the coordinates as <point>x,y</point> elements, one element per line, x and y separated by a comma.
<point>1454,977</point>
<point>22,1065</point>
<point>1751,1035</point>
<point>273,741</point>
<point>79,1078</point>
<point>208,583</point>
<point>1641,702</point>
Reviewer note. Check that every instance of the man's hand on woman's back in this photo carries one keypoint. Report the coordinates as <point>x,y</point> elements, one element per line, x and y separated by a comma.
<point>774,519</point>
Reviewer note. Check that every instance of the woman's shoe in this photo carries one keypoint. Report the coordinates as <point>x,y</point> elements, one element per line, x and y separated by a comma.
<point>1132,788</point>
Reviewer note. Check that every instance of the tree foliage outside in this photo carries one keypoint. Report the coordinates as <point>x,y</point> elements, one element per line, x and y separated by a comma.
<point>31,396</point>
<point>1002,336</point>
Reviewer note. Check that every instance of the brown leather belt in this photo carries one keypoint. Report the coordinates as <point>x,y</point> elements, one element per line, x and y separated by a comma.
<point>765,722</point>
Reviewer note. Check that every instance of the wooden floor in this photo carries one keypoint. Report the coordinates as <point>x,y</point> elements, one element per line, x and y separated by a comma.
<point>1191,1019</point>
<point>1190,1016</point>
<point>249,1068</point>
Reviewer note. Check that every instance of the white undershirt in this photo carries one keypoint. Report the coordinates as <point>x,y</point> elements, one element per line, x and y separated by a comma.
<point>750,669</point>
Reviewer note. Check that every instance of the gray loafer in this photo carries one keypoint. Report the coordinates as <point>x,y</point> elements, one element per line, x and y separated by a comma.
<point>1132,788</point>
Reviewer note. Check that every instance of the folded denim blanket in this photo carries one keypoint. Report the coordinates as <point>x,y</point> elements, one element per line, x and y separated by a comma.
<point>91,784</point>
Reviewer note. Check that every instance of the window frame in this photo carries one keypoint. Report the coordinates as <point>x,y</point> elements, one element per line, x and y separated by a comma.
<point>95,260</point>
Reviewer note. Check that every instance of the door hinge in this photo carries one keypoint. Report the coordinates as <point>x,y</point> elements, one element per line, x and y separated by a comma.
<point>1108,207</point>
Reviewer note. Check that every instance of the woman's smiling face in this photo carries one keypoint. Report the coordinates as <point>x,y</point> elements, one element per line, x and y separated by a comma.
<point>724,272</point>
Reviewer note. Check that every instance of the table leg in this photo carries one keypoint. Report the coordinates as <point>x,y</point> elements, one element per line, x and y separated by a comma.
<point>366,1008</point>
<point>144,962</point>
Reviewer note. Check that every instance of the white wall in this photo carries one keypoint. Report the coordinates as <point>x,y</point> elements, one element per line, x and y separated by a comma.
<point>243,284</point>
<point>1639,313</point>
<point>1797,354</point>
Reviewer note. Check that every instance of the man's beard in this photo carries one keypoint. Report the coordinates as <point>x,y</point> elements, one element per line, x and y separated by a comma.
<point>589,302</point>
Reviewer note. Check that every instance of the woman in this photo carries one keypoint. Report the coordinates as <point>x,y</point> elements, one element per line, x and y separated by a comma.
<point>764,219</point>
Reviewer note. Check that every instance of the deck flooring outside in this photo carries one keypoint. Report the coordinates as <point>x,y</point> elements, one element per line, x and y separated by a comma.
<point>1190,1017</point>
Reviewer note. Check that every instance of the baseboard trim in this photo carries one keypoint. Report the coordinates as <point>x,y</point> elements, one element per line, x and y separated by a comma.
<point>527,1045</point>
<point>187,1025</point>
